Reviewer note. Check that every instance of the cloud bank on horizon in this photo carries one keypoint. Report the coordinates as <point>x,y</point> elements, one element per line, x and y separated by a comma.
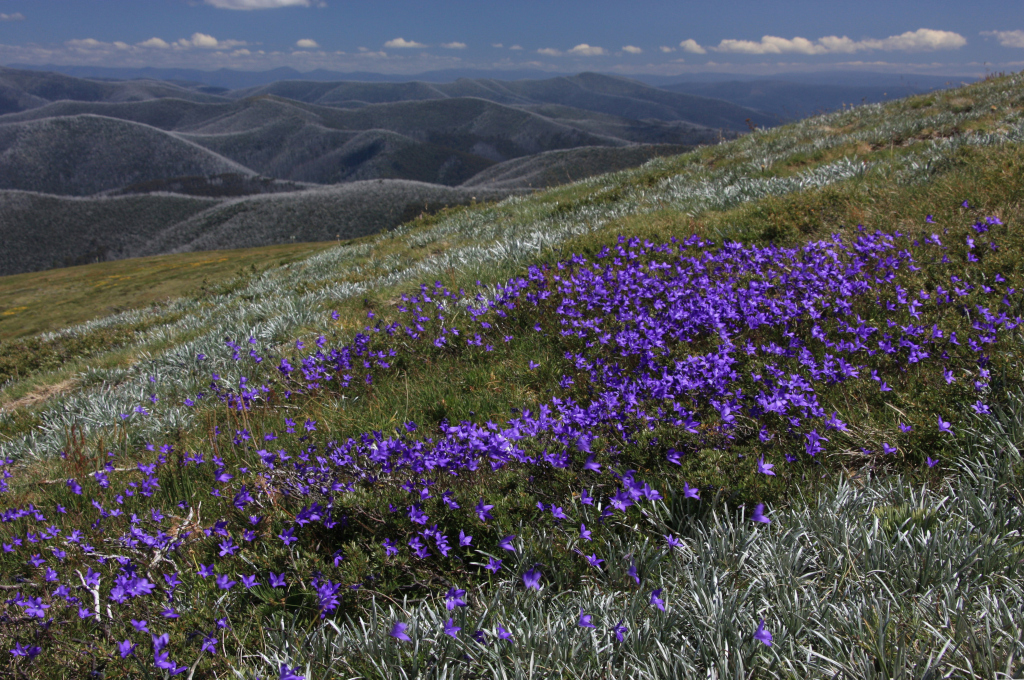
<point>257,4</point>
<point>312,34</point>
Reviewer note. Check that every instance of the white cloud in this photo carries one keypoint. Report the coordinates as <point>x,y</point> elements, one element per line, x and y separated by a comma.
<point>155,42</point>
<point>121,45</point>
<point>1007,38</point>
<point>402,43</point>
<point>86,44</point>
<point>585,50</point>
<point>549,51</point>
<point>632,49</point>
<point>666,49</point>
<point>516,47</point>
<point>692,46</point>
<point>207,42</point>
<point>771,44</point>
<point>921,40</point>
<point>454,46</point>
<point>17,16</point>
<point>307,44</point>
<point>257,4</point>
<point>496,45</point>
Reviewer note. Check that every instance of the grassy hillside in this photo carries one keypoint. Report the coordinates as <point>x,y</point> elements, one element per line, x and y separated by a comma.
<point>47,301</point>
<point>553,168</point>
<point>638,426</point>
<point>789,101</point>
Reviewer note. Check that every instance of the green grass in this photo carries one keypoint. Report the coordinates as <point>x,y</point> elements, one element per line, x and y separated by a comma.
<point>43,302</point>
<point>869,599</point>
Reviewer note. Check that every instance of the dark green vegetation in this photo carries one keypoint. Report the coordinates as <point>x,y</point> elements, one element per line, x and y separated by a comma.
<point>431,386</point>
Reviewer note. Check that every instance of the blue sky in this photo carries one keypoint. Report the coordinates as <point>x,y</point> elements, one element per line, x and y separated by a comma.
<point>947,37</point>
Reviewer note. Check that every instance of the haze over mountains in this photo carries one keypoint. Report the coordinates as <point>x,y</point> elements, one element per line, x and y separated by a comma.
<point>97,169</point>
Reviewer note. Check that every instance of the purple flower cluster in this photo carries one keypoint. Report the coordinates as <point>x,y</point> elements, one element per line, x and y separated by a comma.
<point>712,345</point>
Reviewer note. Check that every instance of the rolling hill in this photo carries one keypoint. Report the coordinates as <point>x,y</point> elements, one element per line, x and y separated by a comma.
<point>23,89</point>
<point>86,154</point>
<point>588,91</point>
<point>293,131</point>
<point>343,211</point>
<point>93,170</point>
<point>42,231</point>
<point>445,141</point>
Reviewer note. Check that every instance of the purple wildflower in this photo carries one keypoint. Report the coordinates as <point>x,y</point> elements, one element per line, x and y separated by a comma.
<point>944,426</point>
<point>454,599</point>
<point>290,673</point>
<point>482,510</point>
<point>586,620</point>
<point>398,631</point>
<point>531,579</point>
<point>656,600</point>
<point>762,634</point>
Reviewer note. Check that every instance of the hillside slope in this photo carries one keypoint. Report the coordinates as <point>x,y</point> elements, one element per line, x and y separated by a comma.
<point>789,101</point>
<point>553,168</point>
<point>41,231</point>
<point>344,211</point>
<point>86,154</point>
<point>642,425</point>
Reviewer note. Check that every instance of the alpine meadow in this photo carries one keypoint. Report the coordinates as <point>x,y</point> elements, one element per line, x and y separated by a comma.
<point>751,406</point>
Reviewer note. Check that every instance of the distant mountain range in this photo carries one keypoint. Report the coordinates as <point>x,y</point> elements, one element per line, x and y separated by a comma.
<point>231,79</point>
<point>80,137</point>
<point>101,168</point>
